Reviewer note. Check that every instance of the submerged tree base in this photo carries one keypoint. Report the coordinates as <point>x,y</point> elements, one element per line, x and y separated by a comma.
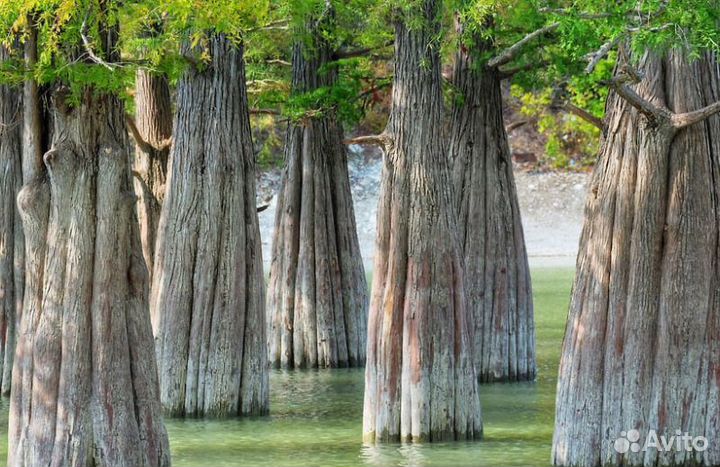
<point>317,295</point>
<point>420,383</point>
<point>85,380</point>
<point>497,275</point>
<point>207,302</point>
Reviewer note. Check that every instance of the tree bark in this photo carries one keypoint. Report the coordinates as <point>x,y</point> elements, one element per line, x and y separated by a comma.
<point>207,297</point>
<point>153,118</point>
<point>12,247</point>
<point>317,295</point>
<point>84,386</point>
<point>420,383</point>
<point>497,277</point>
<point>641,347</point>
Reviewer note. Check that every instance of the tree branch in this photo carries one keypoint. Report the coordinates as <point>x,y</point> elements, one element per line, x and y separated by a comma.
<point>515,125</point>
<point>514,50</point>
<point>595,57</point>
<point>566,12</point>
<point>383,140</point>
<point>277,61</point>
<point>281,24</point>
<point>683,120</point>
<point>644,106</point>
<point>509,72</point>
<point>264,112</point>
<point>583,114</point>
<point>341,54</point>
<point>140,141</point>
<point>89,50</point>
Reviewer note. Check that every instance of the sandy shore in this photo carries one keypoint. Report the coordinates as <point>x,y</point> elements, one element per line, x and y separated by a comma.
<point>551,204</point>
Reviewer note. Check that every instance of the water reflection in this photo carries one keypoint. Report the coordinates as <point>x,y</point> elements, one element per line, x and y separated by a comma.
<point>316,416</point>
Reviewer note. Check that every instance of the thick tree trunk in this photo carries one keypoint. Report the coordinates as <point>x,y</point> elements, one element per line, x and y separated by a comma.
<point>208,292</point>
<point>85,386</point>
<point>153,117</point>
<point>317,297</point>
<point>12,243</point>
<point>641,347</point>
<point>420,383</point>
<point>497,277</point>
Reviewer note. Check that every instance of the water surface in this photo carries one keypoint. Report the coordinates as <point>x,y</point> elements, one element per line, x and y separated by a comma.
<point>316,416</point>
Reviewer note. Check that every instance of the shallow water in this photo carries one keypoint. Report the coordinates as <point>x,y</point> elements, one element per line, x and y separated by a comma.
<point>316,416</point>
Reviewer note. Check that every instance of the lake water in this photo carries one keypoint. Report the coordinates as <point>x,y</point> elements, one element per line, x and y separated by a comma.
<point>316,416</point>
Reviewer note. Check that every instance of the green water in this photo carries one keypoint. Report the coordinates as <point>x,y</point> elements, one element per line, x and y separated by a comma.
<point>316,416</point>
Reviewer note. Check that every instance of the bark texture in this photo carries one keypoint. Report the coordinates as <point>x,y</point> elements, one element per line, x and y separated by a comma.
<point>420,383</point>
<point>497,276</point>
<point>12,247</point>
<point>317,295</point>
<point>153,120</point>
<point>84,388</point>
<point>208,293</point>
<point>641,349</point>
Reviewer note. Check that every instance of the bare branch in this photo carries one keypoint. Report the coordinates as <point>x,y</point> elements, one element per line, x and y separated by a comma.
<point>140,141</point>
<point>165,144</point>
<point>89,50</point>
<point>373,89</point>
<point>595,57</point>
<point>583,114</point>
<point>644,106</point>
<point>264,112</point>
<point>383,140</point>
<point>515,125</point>
<point>683,120</point>
<point>509,72</point>
<point>507,55</point>
<point>341,54</point>
<point>279,25</point>
<point>662,27</point>
<point>277,61</point>
<point>566,12</point>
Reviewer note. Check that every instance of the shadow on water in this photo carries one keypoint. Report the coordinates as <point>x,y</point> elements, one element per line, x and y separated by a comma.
<point>316,416</point>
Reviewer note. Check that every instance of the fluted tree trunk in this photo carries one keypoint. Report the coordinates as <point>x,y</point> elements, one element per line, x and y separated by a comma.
<point>497,276</point>
<point>208,296</point>
<point>152,130</point>
<point>85,388</point>
<point>317,295</point>
<point>12,246</point>
<point>641,348</point>
<point>420,383</point>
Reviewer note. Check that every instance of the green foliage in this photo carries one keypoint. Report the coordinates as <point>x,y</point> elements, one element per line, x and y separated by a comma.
<point>267,136</point>
<point>71,35</point>
<point>570,141</point>
<point>348,25</point>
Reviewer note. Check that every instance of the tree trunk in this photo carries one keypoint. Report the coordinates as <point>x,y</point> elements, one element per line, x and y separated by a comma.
<point>12,243</point>
<point>85,380</point>
<point>153,117</point>
<point>420,383</point>
<point>317,297</point>
<point>497,277</point>
<point>207,296</point>
<point>641,347</point>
